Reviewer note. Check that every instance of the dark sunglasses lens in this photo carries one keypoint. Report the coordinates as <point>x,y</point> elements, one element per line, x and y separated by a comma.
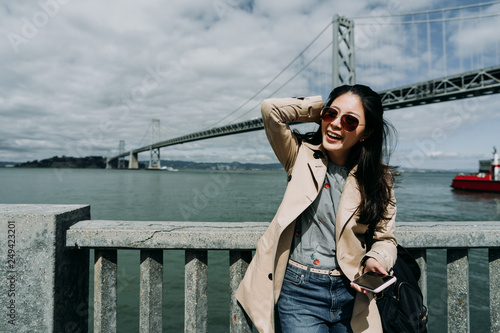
<point>349,123</point>
<point>330,114</point>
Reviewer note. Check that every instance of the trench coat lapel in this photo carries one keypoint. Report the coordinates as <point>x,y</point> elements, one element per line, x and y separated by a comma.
<point>306,180</point>
<point>318,168</point>
<point>349,203</point>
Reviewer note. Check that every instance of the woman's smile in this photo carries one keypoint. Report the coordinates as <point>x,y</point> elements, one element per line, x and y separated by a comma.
<point>332,136</point>
<point>336,140</point>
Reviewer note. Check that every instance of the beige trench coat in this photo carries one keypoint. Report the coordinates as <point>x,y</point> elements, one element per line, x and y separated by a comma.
<point>306,168</point>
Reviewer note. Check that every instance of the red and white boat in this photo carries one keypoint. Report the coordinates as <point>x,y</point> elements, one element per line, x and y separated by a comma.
<point>485,181</point>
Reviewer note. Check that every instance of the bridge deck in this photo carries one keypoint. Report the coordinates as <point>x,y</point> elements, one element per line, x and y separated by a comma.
<point>466,85</point>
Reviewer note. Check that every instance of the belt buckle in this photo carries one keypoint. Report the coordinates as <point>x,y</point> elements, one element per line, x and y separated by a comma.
<point>334,272</point>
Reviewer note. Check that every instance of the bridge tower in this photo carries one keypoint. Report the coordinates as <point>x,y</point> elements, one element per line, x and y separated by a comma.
<point>154,154</point>
<point>121,150</point>
<point>344,68</point>
<point>108,158</point>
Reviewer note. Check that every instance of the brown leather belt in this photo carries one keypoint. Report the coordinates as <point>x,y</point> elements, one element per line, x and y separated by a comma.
<point>332,272</point>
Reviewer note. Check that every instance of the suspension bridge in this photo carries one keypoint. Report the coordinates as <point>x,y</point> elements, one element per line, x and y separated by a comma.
<point>421,44</point>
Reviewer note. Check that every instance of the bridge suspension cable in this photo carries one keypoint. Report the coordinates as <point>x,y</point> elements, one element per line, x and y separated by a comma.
<point>448,19</point>
<point>145,134</point>
<point>385,60</point>
<point>360,21</point>
<point>290,79</point>
<point>427,11</point>
<point>276,77</point>
<point>436,43</point>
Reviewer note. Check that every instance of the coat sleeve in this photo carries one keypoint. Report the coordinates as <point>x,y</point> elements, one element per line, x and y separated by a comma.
<point>278,113</point>
<point>384,241</point>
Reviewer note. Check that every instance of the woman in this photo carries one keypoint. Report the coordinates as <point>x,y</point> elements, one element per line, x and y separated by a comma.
<point>315,245</point>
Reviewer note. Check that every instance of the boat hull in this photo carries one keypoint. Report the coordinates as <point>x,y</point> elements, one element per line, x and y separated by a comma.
<point>475,183</point>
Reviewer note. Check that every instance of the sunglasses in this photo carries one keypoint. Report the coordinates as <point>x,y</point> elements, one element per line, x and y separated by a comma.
<point>348,122</point>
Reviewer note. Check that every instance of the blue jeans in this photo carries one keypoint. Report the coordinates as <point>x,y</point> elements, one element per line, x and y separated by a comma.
<point>315,303</point>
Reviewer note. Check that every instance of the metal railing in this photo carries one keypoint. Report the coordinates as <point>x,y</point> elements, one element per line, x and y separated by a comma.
<point>240,238</point>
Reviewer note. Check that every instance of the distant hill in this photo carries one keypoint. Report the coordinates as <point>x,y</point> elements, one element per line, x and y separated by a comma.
<point>8,164</point>
<point>98,162</point>
<point>93,162</point>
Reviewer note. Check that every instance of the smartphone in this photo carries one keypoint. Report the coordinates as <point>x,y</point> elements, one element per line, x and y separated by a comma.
<point>374,282</point>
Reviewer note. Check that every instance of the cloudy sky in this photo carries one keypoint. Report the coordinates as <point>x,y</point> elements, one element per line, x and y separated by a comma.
<point>79,76</point>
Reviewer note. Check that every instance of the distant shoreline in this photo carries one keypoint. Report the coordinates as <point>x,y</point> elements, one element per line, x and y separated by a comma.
<point>99,162</point>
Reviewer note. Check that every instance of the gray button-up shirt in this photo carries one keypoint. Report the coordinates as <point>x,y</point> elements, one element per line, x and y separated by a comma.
<point>314,240</point>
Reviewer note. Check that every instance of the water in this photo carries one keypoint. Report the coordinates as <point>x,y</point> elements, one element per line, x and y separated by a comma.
<point>221,196</point>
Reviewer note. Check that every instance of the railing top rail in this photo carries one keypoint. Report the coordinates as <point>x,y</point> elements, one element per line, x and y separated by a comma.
<point>245,235</point>
<point>166,235</point>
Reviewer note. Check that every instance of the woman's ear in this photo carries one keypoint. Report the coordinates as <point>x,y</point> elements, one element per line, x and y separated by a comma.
<point>366,135</point>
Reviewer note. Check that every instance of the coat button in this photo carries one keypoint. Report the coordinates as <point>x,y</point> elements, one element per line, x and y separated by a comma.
<point>270,276</point>
<point>289,178</point>
<point>317,154</point>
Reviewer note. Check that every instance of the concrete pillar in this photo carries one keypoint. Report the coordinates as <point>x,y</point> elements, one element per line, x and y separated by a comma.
<point>238,264</point>
<point>151,291</point>
<point>132,161</point>
<point>196,286</point>
<point>494,265</point>
<point>44,286</point>
<point>458,290</point>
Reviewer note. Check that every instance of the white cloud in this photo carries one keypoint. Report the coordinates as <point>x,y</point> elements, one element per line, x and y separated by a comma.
<point>81,76</point>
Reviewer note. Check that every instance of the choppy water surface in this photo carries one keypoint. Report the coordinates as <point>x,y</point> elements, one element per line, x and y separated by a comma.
<point>239,196</point>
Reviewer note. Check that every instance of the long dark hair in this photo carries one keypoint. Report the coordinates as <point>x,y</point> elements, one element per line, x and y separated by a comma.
<point>373,174</point>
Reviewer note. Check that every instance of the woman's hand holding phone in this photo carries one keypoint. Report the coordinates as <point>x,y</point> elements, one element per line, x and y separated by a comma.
<point>374,282</point>
<point>371,265</point>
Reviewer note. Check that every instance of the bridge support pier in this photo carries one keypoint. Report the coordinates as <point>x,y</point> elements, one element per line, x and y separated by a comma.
<point>154,159</point>
<point>132,161</point>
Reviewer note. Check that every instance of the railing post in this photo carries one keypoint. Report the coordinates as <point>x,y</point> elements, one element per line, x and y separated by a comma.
<point>458,290</point>
<point>196,285</point>
<point>420,256</point>
<point>494,267</point>
<point>151,298</point>
<point>105,272</point>
<point>238,264</point>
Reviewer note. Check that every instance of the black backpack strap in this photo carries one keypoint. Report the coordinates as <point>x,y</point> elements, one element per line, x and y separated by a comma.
<point>370,231</point>
<point>402,253</point>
